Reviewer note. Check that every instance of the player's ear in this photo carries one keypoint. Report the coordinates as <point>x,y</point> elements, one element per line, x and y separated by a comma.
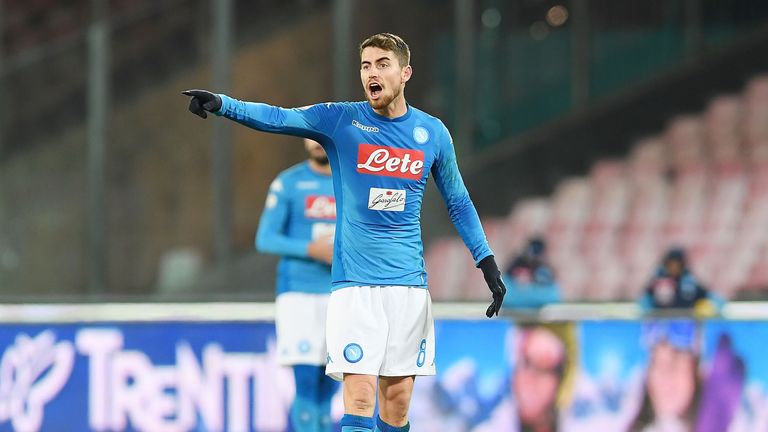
<point>406,74</point>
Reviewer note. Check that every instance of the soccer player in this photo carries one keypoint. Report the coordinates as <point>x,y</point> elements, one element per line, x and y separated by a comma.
<point>382,150</point>
<point>298,222</point>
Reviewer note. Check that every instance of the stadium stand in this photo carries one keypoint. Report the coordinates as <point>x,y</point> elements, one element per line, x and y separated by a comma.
<point>702,183</point>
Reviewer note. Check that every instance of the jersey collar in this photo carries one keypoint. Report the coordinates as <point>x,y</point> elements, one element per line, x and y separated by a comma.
<point>380,117</point>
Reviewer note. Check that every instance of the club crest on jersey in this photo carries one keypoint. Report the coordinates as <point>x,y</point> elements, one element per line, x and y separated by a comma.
<point>420,135</point>
<point>390,162</point>
<point>320,207</point>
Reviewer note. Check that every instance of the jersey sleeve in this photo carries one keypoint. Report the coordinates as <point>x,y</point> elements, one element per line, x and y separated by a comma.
<point>460,207</point>
<point>270,237</point>
<point>314,121</point>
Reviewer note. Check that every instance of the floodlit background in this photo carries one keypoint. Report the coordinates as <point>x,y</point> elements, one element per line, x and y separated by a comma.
<point>131,296</point>
<point>612,128</point>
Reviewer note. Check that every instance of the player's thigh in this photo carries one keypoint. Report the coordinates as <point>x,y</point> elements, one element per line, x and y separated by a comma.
<point>300,320</point>
<point>411,341</point>
<point>356,332</point>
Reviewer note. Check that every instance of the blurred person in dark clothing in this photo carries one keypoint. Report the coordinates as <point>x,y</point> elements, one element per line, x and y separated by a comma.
<point>529,278</point>
<point>675,287</point>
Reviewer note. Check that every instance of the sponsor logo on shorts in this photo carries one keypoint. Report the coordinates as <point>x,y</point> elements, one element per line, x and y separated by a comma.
<point>353,353</point>
<point>320,207</point>
<point>386,199</point>
<point>390,162</point>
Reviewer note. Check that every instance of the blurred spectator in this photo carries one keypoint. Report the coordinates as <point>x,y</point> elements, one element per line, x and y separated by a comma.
<point>530,280</point>
<point>674,287</point>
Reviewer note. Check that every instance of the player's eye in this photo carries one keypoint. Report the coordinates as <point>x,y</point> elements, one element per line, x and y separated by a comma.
<point>383,65</point>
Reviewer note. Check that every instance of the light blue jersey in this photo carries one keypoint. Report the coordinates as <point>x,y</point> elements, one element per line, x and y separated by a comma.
<point>300,208</point>
<point>380,168</point>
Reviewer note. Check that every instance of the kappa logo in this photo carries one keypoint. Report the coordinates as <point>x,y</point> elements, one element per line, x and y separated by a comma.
<point>277,185</point>
<point>390,162</point>
<point>307,184</point>
<point>361,126</point>
<point>271,201</point>
<point>320,207</point>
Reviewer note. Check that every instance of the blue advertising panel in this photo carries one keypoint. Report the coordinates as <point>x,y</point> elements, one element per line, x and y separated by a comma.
<point>493,375</point>
<point>149,377</point>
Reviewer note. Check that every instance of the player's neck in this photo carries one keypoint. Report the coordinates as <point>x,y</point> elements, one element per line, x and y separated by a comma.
<point>320,169</point>
<point>397,108</point>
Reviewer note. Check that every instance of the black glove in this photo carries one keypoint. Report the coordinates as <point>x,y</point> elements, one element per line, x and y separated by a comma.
<point>492,277</point>
<point>202,101</point>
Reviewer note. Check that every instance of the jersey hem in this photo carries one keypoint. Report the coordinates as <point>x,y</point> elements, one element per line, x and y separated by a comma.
<point>339,285</point>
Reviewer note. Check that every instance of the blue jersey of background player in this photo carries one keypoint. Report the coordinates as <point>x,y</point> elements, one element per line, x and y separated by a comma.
<point>298,223</point>
<point>380,329</point>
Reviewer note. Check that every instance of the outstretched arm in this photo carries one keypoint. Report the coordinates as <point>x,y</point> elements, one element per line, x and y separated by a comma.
<point>464,217</point>
<point>314,121</point>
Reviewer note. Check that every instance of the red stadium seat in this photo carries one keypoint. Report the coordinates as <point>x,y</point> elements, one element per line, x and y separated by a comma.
<point>701,184</point>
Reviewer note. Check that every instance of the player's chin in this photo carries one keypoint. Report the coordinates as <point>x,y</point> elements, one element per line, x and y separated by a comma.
<point>377,103</point>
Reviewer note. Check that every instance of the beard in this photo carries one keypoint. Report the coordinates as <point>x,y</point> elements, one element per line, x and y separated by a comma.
<point>383,101</point>
<point>320,160</point>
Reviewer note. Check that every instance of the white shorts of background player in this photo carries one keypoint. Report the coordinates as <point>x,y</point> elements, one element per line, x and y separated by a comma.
<point>300,326</point>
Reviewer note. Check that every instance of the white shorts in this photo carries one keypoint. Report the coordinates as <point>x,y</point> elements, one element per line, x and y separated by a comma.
<point>300,326</point>
<point>383,331</point>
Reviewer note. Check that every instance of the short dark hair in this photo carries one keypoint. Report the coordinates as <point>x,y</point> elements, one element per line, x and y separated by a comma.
<point>389,42</point>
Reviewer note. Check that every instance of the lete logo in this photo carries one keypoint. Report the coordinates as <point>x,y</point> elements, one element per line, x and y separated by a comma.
<point>32,372</point>
<point>320,207</point>
<point>390,162</point>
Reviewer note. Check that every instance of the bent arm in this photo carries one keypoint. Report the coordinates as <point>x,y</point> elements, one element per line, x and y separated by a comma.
<point>270,237</point>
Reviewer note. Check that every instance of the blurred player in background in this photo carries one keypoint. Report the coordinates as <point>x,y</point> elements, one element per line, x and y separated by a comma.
<point>298,223</point>
<point>675,287</point>
<point>380,331</point>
